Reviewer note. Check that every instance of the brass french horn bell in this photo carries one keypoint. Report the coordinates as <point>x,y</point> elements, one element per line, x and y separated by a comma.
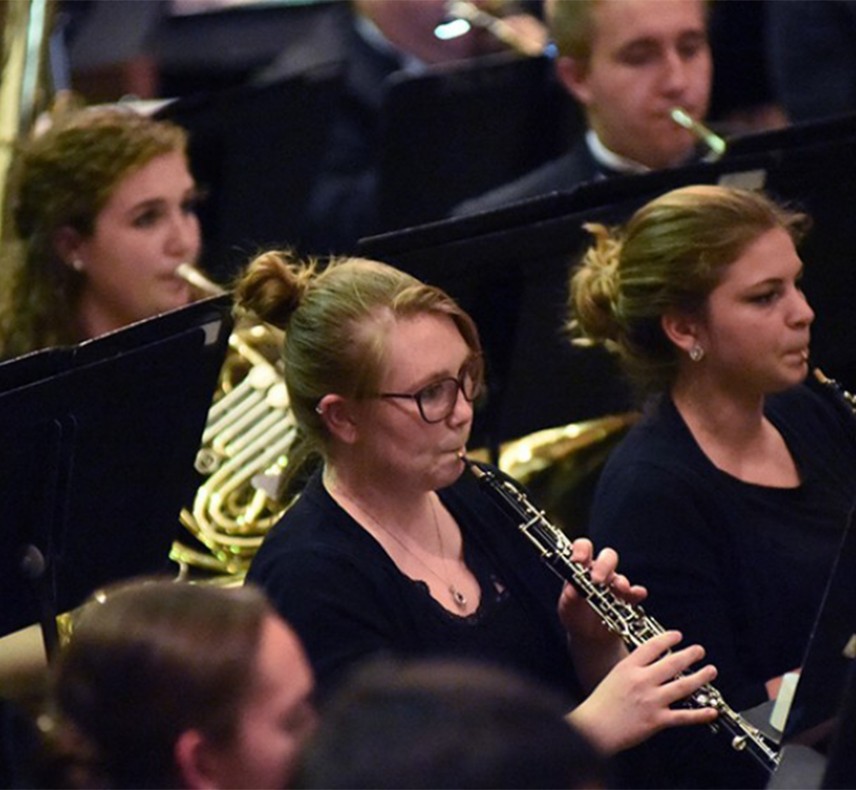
<point>245,448</point>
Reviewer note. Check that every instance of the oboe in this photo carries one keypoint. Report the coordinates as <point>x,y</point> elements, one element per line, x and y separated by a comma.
<point>628,620</point>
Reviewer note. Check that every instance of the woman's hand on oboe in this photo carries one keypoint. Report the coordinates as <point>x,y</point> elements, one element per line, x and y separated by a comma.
<point>633,701</point>
<point>581,621</point>
<point>594,649</point>
<point>632,692</point>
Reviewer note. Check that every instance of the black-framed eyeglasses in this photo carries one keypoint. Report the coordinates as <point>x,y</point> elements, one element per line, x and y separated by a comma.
<point>437,400</point>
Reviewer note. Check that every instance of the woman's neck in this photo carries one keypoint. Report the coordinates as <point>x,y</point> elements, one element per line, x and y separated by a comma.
<point>735,418</point>
<point>736,437</point>
<point>94,321</point>
<point>409,511</point>
<point>420,536</point>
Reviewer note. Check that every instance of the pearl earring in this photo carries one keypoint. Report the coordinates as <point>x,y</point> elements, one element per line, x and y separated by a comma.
<point>696,353</point>
<point>77,264</point>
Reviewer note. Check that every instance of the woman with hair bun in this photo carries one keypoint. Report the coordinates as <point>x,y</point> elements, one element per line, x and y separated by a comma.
<point>392,547</point>
<point>729,498</point>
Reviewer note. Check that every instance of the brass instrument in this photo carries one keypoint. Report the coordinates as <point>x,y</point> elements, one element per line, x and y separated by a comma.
<point>244,451</point>
<point>463,15</point>
<point>560,466</point>
<point>25,25</point>
<point>525,458</point>
<point>713,141</point>
<point>629,621</point>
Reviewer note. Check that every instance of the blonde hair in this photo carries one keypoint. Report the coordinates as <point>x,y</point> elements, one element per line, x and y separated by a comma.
<point>336,320</point>
<point>670,255</point>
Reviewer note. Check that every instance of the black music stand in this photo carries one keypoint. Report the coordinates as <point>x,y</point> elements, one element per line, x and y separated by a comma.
<point>97,444</point>
<point>509,268</point>
<point>255,149</point>
<point>796,135</point>
<point>438,148</point>
<point>817,746</point>
<point>840,771</point>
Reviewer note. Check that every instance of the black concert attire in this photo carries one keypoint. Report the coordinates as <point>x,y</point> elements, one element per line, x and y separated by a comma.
<point>558,175</point>
<point>342,206</point>
<point>736,567</point>
<point>587,160</point>
<point>348,600</point>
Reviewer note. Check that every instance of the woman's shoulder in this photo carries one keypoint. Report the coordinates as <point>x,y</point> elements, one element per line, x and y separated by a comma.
<point>313,535</point>
<point>658,444</point>
<point>817,409</point>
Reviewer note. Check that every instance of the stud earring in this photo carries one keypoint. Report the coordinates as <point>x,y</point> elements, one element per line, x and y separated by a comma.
<point>696,353</point>
<point>77,264</point>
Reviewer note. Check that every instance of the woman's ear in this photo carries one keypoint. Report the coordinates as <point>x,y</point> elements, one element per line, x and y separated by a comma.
<point>681,329</point>
<point>66,243</point>
<point>337,414</point>
<point>193,761</point>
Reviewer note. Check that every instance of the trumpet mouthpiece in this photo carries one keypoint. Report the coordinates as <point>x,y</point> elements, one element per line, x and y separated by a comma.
<point>712,140</point>
<point>189,273</point>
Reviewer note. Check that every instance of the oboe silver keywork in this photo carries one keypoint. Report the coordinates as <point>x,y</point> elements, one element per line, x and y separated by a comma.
<point>630,621</point>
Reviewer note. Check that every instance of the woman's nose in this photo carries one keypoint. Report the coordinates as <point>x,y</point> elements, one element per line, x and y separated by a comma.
<point>185,235</point>
<point>802,314</point>
<point>463,410</point>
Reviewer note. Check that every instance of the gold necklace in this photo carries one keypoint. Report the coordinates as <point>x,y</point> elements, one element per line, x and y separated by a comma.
<point>458,597</point>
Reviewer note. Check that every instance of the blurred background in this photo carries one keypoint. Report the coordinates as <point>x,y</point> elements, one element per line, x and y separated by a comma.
<point>260,83</point>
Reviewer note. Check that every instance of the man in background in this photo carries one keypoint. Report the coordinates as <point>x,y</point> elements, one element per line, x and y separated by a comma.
<point>628,63</point>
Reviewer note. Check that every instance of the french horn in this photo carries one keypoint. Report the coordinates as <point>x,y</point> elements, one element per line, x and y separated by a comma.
<point>560,466</point>
<point>251,434</point>
<point>245,447</point>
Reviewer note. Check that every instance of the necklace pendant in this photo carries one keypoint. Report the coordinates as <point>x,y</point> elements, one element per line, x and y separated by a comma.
<point>458,597</point>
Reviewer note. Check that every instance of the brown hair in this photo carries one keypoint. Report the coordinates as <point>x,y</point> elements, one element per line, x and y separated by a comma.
<point>336,319</point>
<point>64,177</point>
<point>147,660</point>
<point>669,256</point>
<point>572,26</point>
<point>412,724</point>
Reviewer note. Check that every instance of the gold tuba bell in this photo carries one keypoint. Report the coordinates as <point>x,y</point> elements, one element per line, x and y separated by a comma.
<point>245,448</point>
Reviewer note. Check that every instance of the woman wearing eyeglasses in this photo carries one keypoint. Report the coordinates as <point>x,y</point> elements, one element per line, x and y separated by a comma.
<point>391,547</point>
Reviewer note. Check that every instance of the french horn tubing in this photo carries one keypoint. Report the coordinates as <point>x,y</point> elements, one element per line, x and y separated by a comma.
<point>244,451</point>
